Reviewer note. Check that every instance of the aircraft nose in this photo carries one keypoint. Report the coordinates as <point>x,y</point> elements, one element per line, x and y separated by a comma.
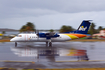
<point>12,40</point>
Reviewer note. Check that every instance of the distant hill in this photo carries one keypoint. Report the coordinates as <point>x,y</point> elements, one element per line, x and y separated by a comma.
<point>6,29</point>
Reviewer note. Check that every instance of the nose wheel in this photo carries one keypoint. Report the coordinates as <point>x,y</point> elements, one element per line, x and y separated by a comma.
<point>15,43</point>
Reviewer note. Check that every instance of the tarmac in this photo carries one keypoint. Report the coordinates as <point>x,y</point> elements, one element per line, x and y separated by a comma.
<point>62,55</point>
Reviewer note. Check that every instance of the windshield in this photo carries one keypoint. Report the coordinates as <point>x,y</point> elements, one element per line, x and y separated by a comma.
<point>19,36</point>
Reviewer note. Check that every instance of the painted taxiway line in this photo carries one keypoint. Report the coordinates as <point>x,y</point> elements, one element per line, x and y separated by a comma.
<point>16,61</point>
<point>83,61</point>
<point>55,61</point>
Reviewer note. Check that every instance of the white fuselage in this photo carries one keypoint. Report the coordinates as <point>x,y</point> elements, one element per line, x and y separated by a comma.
<point>54,37</point>
<point>35,38</point>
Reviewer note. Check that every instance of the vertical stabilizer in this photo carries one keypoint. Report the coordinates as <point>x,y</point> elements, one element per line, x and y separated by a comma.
<point>84,27</point>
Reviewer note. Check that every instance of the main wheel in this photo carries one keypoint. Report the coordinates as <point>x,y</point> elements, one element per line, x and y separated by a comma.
<point>50,44</point>
<point>46,43</point>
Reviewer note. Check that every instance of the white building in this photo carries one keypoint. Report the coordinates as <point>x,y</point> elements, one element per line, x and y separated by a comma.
<point>101,33</point>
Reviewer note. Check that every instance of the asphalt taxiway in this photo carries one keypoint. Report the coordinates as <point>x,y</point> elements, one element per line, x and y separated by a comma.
<point>60,55</point>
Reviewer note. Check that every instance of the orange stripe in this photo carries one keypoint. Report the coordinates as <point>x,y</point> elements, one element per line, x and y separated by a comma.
<point>79,35</point>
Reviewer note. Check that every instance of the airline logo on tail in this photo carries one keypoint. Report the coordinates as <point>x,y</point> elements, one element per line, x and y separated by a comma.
<point>82,28</point>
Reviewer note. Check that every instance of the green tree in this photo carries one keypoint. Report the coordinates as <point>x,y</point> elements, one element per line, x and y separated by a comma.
<point>28,27</point>
<point>65,28</point>
<point>3,32</point>
<point>92,29</point>
<point>100,28</point>
<point>23,28</point>
<point>51,30</point>
<point>103,28</point>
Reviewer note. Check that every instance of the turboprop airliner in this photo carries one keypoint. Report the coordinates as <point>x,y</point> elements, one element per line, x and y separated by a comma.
<point>54,37</point>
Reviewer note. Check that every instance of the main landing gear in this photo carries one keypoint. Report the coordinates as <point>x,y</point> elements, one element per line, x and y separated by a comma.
<point>49,43</point>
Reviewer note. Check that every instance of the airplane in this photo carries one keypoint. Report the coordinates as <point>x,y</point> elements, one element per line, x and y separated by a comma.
<point>54,37</point>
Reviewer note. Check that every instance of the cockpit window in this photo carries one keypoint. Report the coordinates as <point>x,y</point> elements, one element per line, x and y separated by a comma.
<point>19,35</point>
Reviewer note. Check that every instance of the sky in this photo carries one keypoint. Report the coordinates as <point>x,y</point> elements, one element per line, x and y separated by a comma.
<point>51,14</point>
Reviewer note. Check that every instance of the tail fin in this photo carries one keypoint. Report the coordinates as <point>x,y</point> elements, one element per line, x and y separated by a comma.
<point>84,27</point>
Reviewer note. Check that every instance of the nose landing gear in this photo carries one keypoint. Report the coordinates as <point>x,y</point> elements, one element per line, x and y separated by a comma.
<point>15,44</point>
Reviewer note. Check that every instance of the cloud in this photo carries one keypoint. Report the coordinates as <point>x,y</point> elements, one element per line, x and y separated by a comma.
<point>49,14</point>
<point>57,20</point>
<point>63,6</point>
<point>37,12</point>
